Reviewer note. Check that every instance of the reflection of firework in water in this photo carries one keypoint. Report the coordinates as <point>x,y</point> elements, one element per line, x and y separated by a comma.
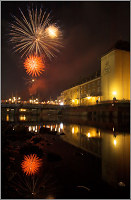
<point>31,164</point>
<point>34,35</point>
<point>35,186</point>
<point>34,65</point>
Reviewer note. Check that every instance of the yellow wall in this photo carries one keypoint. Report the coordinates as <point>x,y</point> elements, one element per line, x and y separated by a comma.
<point>115,75</point>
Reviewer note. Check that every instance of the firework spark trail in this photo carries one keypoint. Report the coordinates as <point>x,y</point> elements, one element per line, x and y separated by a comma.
<point>34,65</point>
<point>36,35</point>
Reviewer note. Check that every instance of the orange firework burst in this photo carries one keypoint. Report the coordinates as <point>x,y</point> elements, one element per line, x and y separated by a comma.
<point>31,164</point>
<point>34,65</point>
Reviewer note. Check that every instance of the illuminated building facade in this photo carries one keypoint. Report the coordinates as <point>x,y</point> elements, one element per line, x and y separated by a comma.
<point>114,81</point>
<point>115,75</point>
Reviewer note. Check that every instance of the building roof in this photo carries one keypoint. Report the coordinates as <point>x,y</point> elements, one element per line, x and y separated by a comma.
<point>120,45</point>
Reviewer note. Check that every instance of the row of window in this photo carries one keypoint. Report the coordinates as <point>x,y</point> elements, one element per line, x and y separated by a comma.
<point>87,88</point>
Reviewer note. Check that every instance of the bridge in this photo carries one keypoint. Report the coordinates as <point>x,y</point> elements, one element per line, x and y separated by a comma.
<point>32,106</point>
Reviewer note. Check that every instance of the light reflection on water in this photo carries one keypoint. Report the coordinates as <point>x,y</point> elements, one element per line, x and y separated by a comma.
<point>113,148</point>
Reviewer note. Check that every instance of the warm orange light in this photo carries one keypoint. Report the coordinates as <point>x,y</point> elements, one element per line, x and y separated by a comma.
<point>114,93</point>
<point>34,65</point>
<point>31,164</point>
<point>7,117</point>
<point>115,142</point>
<point>52,31</point>
<point>22,117</point>
<point>88,135</point>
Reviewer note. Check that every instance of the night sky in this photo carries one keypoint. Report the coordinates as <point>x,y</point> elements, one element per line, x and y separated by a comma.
<point>89,29</point>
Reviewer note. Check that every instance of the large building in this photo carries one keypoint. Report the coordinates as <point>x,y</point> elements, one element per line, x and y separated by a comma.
<point>114,80</point>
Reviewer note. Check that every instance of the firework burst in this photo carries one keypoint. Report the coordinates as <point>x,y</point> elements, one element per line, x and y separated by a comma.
<point>35,34</point>
<point>34,65</point>
<point>31,164</point>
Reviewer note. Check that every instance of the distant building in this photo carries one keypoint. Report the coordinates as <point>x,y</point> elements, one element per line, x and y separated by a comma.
<point>114,81</point>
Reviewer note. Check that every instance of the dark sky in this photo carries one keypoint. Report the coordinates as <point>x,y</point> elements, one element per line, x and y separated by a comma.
<point>89,29</point>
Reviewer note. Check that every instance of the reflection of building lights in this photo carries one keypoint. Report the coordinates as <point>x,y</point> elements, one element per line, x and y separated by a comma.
<point>114,92</point>
<point>99,133</point>
<point>59,130</point>
<point>115,142</point>
<point>55,129</point>
<point>22,118</point>
<point>88,135</point>
<point>36,129</point>
<point>61,125</point>
<point>113,129</point>
<point>72,130</point>
<point>51,128</point>
<point>22,110</point>
<point>7,118</point>
<point>29,128</point>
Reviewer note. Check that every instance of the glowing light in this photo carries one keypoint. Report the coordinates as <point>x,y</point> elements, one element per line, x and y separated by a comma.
<point>22,110</point>
<point>88,97</point>
<point>9,99</point>
<point>7,118</point>
<point>73,130</point>
<point>115,142</point>
<point>36,35</point>
<point>34,65</point>
<point>88,135</point>
<point>114,93</point>
<point>31,164</point>
<point>73,100</point>
<point>99,133</point>
<point>36,129</point>
<point>61,125</point>
<point>51,128</point>
<point>113,129</point>
<point>52,31</point>
<point>22,117</point>
<point>29,128</point>
<point>61,103</point>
